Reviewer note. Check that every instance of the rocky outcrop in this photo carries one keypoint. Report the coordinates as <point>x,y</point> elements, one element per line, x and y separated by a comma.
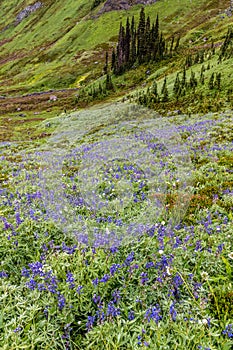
<point>111,5</point>
<point>27,11</point>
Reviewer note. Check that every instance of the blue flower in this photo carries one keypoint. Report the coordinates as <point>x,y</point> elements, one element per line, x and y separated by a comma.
<point>36,268</point>
<point>144,278</point>
<point>31,284</point>
<point>105,278</point>
<point>70,280</point>
<point>228,330</point>
<point>114,268</point>
<point>173,312</point>
<point>90,322</point>
<point>78,290</point>
<point>3,274</point>
<point>153,313</point>
<point>41,287</point>
<point>131,315</point>
<point>18,329</point>
<point>112,310</point>
<point>116,296</point>
<point>25,272</point>
<point>95,281</point>
<point>61,302</point>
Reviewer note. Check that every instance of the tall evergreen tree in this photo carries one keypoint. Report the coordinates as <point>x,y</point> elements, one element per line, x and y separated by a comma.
<point>106,64</point>
<point>211,82</point>
<point>164,90</point>
<point>176,87</point>
<point>171,46</point>
<point>127,42</point>
<point>113,63</point>
<point>133,48</point>
<point>147,40</point>
<point>183,81</point>
<point>141,36</point>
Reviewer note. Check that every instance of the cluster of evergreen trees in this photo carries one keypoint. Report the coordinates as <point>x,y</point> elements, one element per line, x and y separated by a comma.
<point>226,50</point>
<point>181,87</point>
<point>139,44</point>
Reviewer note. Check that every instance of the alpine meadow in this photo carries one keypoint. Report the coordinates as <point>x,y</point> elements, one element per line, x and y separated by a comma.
<point>116,174</point>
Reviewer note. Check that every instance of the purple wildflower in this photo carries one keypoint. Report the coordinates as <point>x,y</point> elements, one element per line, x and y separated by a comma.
<point>78,290</point>
<point>3,274</point>
<point>90,322</point>
<point>153,313</point>
<point>131,315</point>
<point>228,330</point>
<point>70,280</point>
<point>61,302</point>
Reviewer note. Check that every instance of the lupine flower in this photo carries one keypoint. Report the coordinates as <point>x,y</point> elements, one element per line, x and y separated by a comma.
<point>114,268</point>
<point>70,280</point>
<point>105,278</point>
<point>95,281</point>
<point>3,274</point>
<point>78,290</point>
<point>228,331</point>
<point>129,259</point>
<point>112,310</point>
<point>96,299</point>
<point>172,312</point>
<point>153,313</point>
<point>131,315</point>
<point>90,322</point>
<point>144,278</point>
<point>18,329</point>
<point>36,268</point>
<point>41,287</point>
<point>31,284</point>
<point>61,302</point>
<point>116,296</point>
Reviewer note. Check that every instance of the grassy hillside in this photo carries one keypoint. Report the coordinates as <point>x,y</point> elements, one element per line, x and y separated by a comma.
<point>116,199</point>
<point>61,44</point>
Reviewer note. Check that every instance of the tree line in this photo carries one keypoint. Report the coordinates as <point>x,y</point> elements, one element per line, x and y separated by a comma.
<point>140,44</point>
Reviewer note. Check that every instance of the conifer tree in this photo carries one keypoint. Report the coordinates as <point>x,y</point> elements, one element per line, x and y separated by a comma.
<point>202,77</point>
<point>188,61</point>
<point>164,90</point>
<point>218,81</point>
<point>148,47</point>
<point>154,91</point>
<point>133,49</point>
<point>113,63</point>
<point>127,42</point>
<point>193,81</point>
<point>176,87</point>
<point>171,46</point>
<point>108,82</point>
<point>177,43</point>
<point>106,64</point>
<point>140,35</point>
<point>183,81</point>
<point>211,82</point>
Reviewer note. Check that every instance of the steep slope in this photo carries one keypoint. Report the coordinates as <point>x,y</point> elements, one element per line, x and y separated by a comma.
<point>60,44</point>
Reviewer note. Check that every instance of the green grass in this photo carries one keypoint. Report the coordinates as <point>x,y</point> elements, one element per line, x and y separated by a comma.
<point>51,38</point>
<point>198,282</point>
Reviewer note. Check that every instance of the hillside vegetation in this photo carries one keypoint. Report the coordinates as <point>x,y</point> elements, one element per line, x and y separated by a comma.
<point>116,200</point>
<point>62,44</point>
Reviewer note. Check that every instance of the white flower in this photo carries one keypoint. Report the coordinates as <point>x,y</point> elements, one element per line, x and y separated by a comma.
<point>204,321</point>
<point>161,252</point>
<point>204,275</point>
<point>230,255</point>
